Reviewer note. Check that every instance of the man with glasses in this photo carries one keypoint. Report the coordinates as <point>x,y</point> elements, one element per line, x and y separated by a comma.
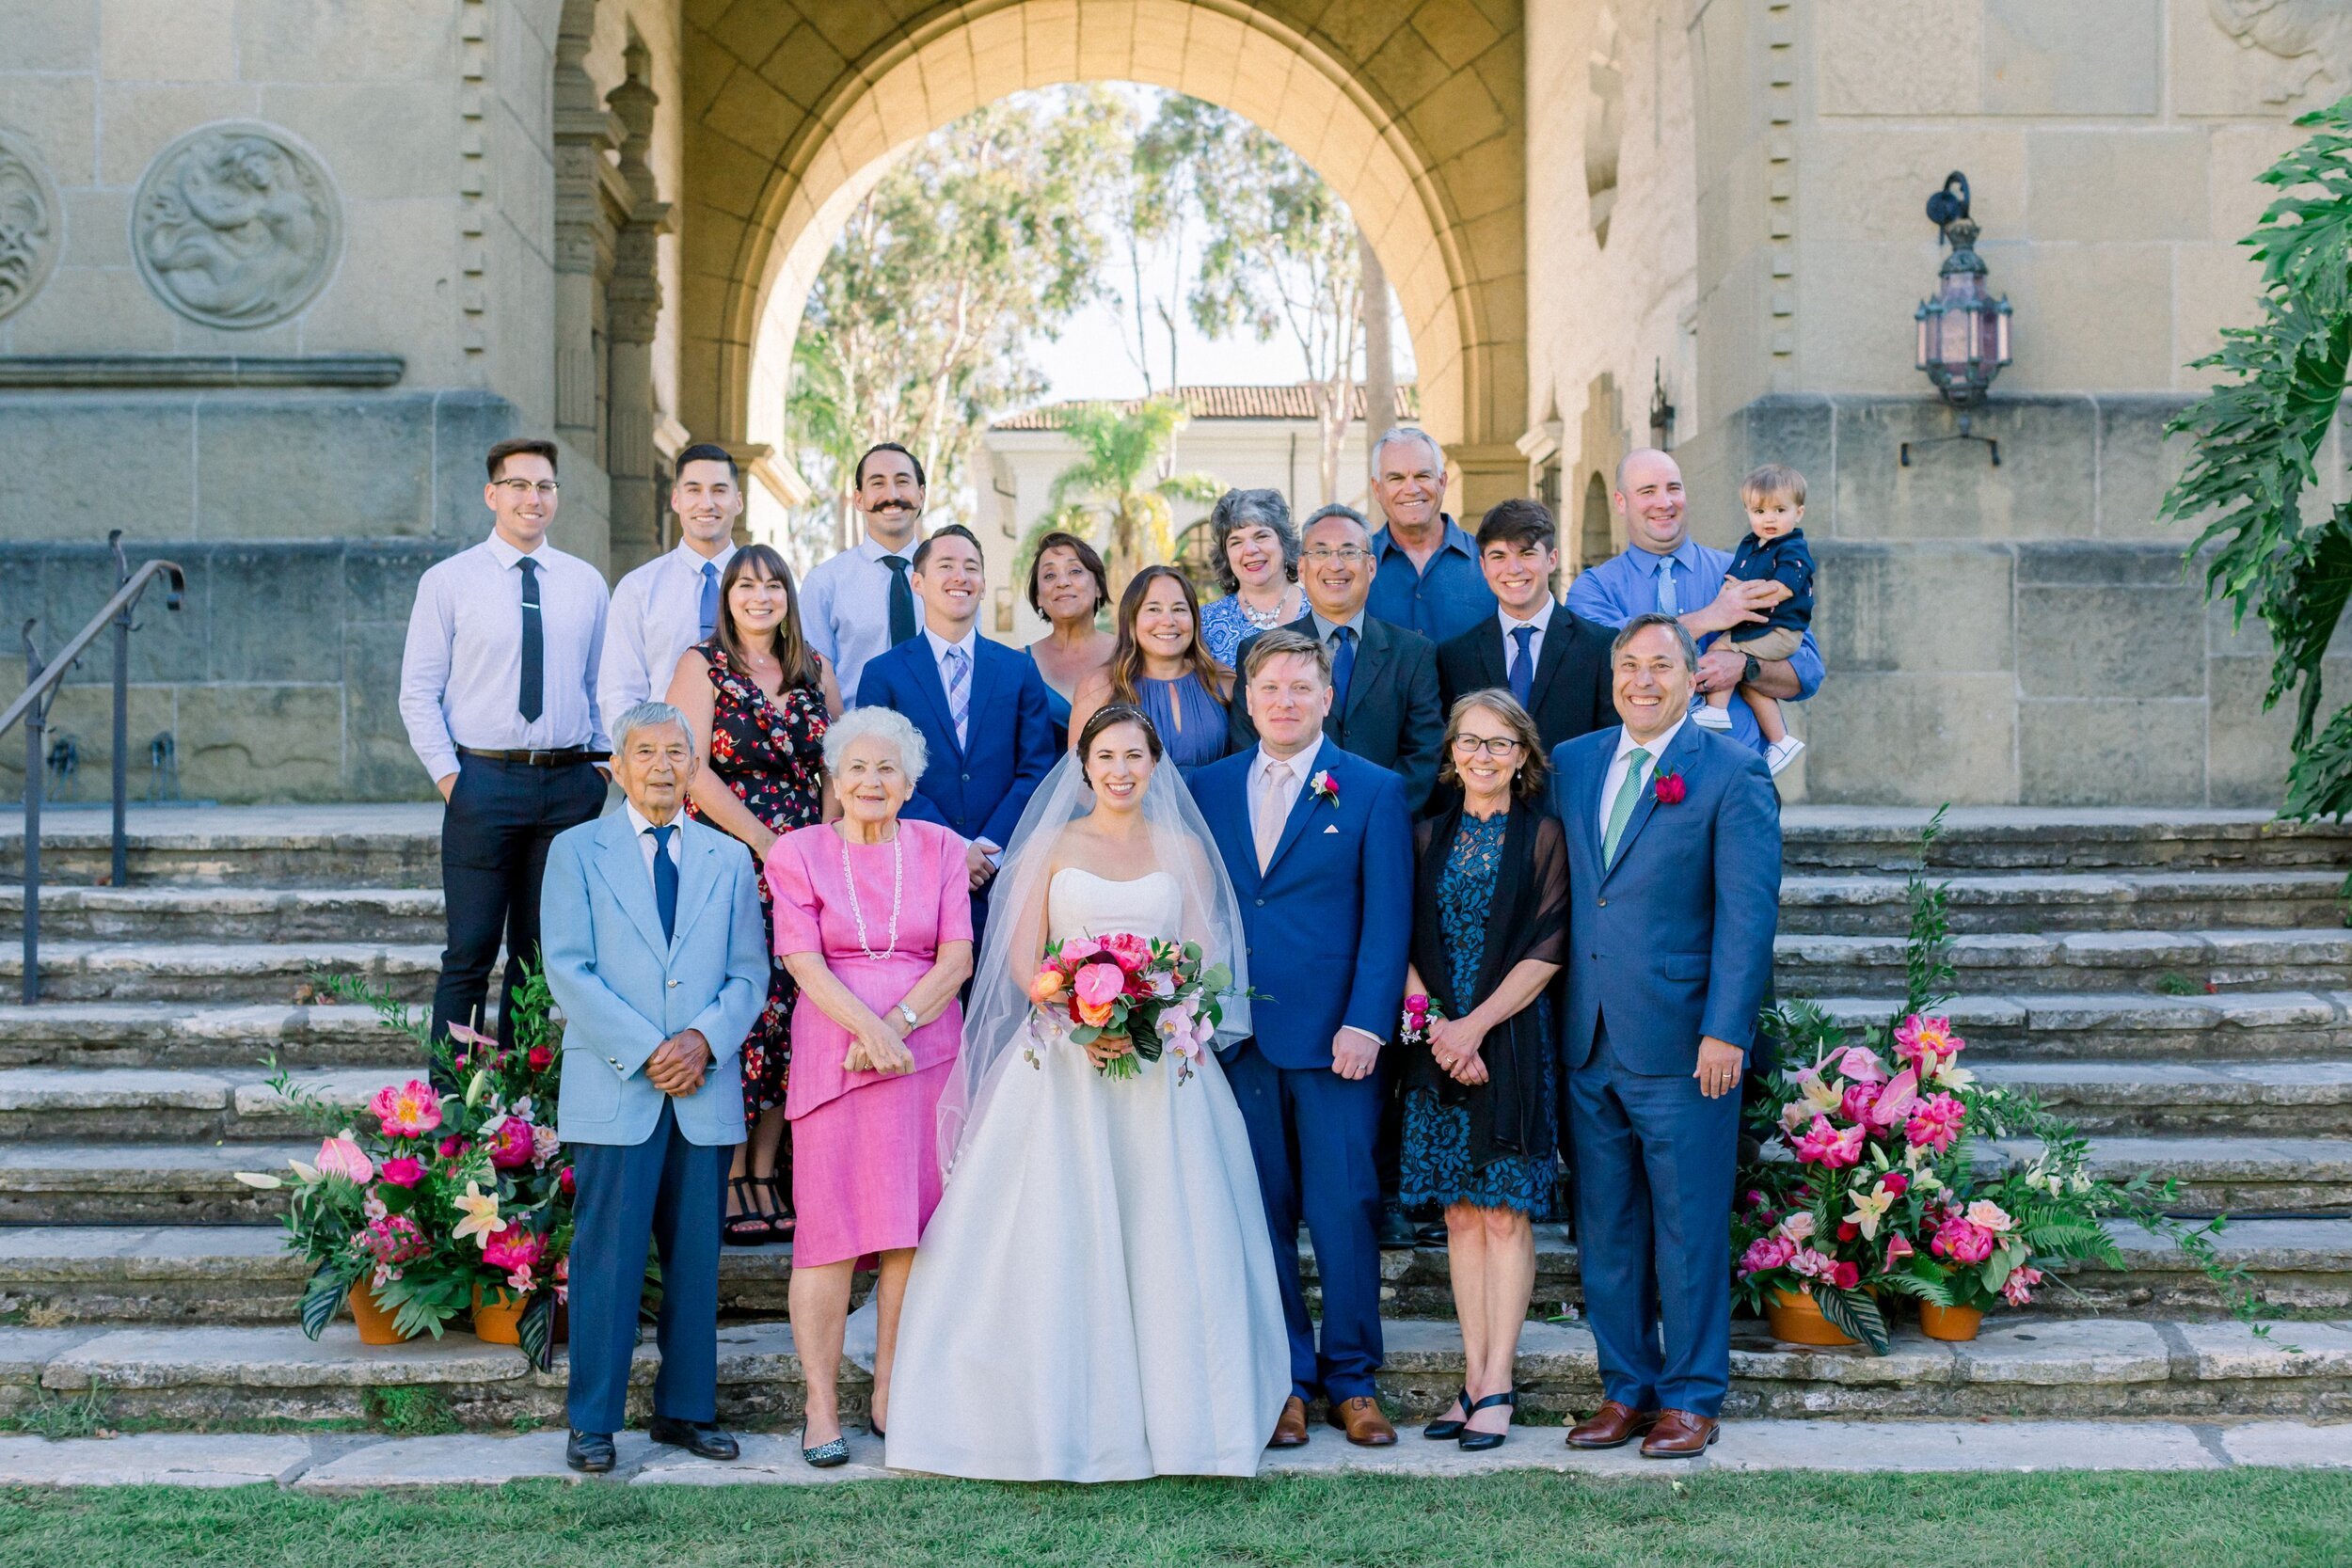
<point>860,602</point>
<point>672,602</point>
<point>498,687</point>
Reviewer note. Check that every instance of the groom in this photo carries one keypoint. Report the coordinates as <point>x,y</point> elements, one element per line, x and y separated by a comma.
<point>1319,845</point>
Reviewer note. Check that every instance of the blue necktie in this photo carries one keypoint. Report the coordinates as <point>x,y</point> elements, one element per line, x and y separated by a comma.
<point>1342,665</point>
<point>664,880</point>
<point>1669,602</point>
<point>710,599</point>
<point>1522,663</point>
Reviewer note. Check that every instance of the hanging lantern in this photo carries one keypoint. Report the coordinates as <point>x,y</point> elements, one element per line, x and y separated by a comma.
<point>1963,331</point>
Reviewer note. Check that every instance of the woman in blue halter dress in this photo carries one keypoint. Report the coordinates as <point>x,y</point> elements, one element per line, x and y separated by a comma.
<point>1160,664</point>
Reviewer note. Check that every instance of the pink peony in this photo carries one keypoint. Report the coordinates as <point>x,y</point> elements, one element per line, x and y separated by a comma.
<point>1131,952</point>
<point>2018,1288</point>
<point>1961,1242</point>
<point>1860,1062</point>
<point>393,1240</point>
<point>1855,1104</point>
<point>409,1111</point>
<point>1812,1264</point>
<point>1935,1123</point>
<point>1922,1042</point>
<point>1824,1145</point>
<point>510,1142</point>
<point>1896,1184</point>
<point>514,1248</point>
<point>565,1180</point>
<point>1898,1248</point>
<point>1766,1253</point>
<point>453,1146</point>
<point>402,1170</point>
<point>339,1156</point>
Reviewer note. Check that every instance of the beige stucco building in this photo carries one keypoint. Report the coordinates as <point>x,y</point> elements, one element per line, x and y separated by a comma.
<point>278,270</point>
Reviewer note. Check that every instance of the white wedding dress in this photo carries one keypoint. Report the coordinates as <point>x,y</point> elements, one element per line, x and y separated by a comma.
<point>1095,1297</point>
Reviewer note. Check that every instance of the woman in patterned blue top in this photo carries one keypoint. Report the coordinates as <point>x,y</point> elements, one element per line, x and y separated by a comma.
<point>1490,900</point>
<point>1160,665</point>
<point>1257,566</point>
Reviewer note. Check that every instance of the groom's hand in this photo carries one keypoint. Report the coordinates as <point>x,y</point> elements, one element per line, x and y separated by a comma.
<point>1353,1053</point>
<point>1719,1062</point>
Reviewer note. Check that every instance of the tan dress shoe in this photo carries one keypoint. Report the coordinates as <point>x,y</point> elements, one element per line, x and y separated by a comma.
<point>1613,1426</point>
<point>1680,1434</point>
<point>1361,1418</point>
<point>1289,1432</point>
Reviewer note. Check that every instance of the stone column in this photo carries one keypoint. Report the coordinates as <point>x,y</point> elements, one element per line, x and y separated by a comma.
<point>632,308</point>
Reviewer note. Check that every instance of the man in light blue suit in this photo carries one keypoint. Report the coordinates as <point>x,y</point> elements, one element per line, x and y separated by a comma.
<point>657,956</point>
<point>979,704</point>
<point>1319,845</point>
<point>1673,875</point>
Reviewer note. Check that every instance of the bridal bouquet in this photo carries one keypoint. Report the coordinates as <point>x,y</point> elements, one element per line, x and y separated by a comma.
<point>1153,994</point>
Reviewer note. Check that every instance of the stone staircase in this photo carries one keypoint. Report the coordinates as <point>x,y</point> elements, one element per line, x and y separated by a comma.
<point>2179,983</point>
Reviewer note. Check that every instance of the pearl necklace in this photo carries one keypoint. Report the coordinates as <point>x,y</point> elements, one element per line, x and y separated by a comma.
<point>898,885</point>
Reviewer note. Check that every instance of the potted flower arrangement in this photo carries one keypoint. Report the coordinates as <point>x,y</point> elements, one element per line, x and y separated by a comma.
<point>1874,1181</point>
<point>431,1205</point>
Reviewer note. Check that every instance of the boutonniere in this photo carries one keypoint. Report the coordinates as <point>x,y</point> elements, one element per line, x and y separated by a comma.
<point>1326,789</point>
<point>1668,787</point>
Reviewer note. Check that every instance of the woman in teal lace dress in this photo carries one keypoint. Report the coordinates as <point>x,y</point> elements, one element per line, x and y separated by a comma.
<point>1490,900</point>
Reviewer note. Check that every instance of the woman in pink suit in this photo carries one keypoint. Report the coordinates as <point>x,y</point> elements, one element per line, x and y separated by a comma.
<point>873,917</point>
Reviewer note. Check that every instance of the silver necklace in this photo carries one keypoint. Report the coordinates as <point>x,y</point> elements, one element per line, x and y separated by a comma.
<point>1266,620</point>
<point>898,885</point>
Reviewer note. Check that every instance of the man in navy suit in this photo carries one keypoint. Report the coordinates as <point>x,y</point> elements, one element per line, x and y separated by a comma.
<point>1319,845</point>
<point>1673,871</point>
<point>980,707</point>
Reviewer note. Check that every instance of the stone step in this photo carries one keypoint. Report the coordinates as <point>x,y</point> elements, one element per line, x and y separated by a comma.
<point>1832,904</point>
<point>2264,1099</point>
<point>371,844</point>
<point>2234,1025</point>
<point>161,1104</point>
<point>2152,963</point>
<point>195,1035</point>
<point>2243,1176</point>
<point>133,1184</point>
<point>211,913</point>
<point>2018,1367</point>
<point>219,971</point>
<point>2030,838</point>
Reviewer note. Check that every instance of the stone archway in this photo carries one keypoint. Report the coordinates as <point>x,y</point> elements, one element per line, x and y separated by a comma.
<point>1412,111</point>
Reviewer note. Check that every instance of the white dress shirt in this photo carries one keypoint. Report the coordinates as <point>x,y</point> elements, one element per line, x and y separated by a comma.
<point>845,608</point>
<point>1302,769</point>
<point>657,615</point>
<point>971,646</point>
<point>1613,780</point>
<point>461,672</point>
<point>640,824</point>
<point>1541,621</point>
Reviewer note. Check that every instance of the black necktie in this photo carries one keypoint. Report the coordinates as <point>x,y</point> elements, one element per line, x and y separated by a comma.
<point>902,600</point>
<point>531,700</point>
<point>664,880</point>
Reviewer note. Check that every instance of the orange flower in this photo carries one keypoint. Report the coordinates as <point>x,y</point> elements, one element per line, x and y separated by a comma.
<point>1047,985</point>
<point>1096,1014</point>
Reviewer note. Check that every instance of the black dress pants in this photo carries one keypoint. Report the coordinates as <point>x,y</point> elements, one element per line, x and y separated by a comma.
<point>500,819</point>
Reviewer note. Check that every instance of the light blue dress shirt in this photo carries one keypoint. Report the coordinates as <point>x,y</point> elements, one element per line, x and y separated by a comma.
<point>845,608</point>
<point>657,615</point>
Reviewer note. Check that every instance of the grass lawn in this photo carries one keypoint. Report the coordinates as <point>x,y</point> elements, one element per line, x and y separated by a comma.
<point>2231,1519</point>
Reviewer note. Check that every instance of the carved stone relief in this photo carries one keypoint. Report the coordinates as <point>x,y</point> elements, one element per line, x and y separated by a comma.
<point>32,222</point>
<point>236,226</point>
<point>1604,120</point>
<point>2309,39</point>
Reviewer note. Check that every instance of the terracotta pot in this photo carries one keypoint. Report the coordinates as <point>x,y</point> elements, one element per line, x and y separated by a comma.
<point>1949,1323</point>
<point>498,1316</point>
<point>1797,1318</point>
<point>375,1324</point>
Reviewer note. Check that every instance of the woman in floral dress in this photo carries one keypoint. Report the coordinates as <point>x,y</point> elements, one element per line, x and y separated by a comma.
<point>758,699</point>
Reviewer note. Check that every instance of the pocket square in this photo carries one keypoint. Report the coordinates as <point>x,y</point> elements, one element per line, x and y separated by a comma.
<point>1330,827</point>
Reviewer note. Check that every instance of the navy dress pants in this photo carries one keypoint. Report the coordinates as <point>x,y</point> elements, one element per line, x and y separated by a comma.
<point>664,1193</point>
<point>1655,1163</point>
<point>495,833</point>
<point>1311,1133</point>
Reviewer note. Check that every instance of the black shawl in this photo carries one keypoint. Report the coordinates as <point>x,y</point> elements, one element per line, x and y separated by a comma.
<point>1509,1113</point>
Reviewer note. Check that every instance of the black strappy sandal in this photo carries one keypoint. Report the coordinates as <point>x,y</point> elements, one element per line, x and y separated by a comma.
<point>751,1228</point>
<point>1479,1442</point>
<point>780,1219</point>
<point>1443,1431</point>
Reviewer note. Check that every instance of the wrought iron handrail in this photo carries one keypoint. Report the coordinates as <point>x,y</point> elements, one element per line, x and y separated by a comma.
<point>31,707</point>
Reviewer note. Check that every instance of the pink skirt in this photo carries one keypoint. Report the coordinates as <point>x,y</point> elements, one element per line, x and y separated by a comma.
<point>866,1168</point>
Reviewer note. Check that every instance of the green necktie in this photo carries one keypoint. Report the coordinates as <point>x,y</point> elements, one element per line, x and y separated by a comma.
<point>1621,809</point>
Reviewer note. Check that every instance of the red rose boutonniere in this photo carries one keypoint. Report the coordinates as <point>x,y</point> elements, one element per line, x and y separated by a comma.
<point>1326,789</point>
<point>1668,787</point>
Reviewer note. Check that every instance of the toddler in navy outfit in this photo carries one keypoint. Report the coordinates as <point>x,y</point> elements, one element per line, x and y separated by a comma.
<point>1774,552</point>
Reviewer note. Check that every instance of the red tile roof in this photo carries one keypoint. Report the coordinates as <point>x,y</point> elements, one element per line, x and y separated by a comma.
<point>1294,401</point>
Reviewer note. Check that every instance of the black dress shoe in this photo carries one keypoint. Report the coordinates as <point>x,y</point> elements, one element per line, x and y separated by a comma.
<point>589,1452</point>
<point>1396,1231</point>
<point>703,1439</point>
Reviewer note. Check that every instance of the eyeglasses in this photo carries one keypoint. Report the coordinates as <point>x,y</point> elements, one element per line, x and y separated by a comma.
<point>519,488</point>
<point>1352,554</point>
<point>1500,746</point>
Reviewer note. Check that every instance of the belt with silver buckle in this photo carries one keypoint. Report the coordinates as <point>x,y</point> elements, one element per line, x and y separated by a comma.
<point>566,758</point>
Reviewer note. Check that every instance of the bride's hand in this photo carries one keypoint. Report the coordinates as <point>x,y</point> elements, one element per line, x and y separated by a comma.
<point>1103,1049</point>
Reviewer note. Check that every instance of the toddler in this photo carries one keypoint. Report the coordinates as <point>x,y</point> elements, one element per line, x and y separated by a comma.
<point>1774,552</point>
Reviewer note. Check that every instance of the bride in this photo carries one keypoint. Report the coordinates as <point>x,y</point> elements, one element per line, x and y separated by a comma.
<point>1095,1298</point>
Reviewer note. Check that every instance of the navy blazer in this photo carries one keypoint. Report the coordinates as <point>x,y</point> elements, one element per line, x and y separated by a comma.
<point>1393,716</point>
<point>979,791</point>
<point>1329,926</point>
<point>1675,940</point>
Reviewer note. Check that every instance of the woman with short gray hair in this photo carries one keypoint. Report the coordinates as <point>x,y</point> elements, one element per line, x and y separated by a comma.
<point>1256,565</point>
<point>873,917</point>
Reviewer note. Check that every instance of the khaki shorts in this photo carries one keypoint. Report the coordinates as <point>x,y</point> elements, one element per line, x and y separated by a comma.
<point>1770,642</point>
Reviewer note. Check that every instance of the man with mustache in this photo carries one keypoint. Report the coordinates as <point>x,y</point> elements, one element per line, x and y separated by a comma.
<point>860,602</point>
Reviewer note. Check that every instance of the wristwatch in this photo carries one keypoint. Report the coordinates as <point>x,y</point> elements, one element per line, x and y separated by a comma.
<point>908,1013</point>
<point>1753,670</point>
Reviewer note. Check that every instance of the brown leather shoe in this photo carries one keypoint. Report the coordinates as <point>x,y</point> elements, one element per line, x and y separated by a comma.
<point>1613,1426</point>
<point>1680,1434</point>
<point>1291,1431</point>
<point>1361,1418</point>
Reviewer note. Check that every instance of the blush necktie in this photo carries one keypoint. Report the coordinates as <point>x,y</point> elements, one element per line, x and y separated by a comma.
<point>1273,809</point>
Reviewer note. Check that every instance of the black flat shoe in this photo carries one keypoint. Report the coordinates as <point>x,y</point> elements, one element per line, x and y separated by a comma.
<point>824,1456</point>
<point>589,1452</point>
<point>1443,1431</point>
<point>1394,1231</point>
<point>703,1439</point>
<point>748,1228</point>
<point>1479,1442</point>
